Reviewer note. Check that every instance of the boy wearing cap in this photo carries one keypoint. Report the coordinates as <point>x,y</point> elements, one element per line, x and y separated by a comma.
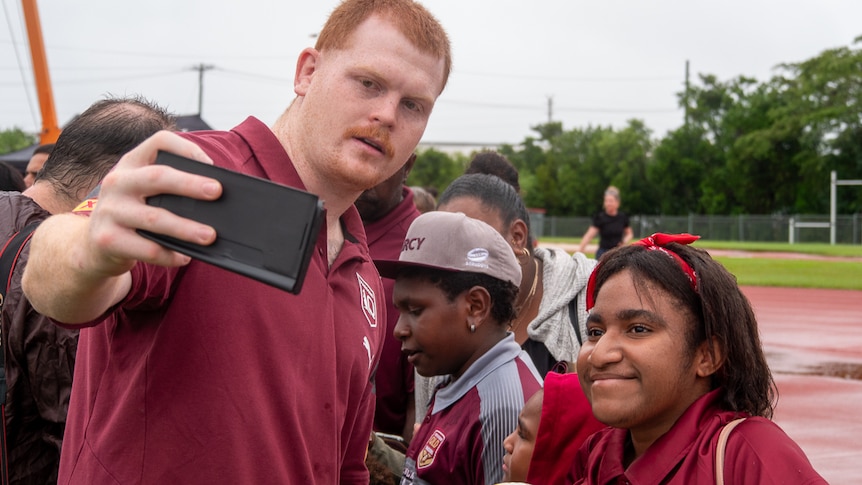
<point>455,286</point>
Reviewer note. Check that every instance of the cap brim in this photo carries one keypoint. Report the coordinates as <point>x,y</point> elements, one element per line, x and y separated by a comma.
<point>389,268</point>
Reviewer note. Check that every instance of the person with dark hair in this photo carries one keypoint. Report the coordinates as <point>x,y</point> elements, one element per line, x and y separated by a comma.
<point>89,150</point>
<point>37,160</point>
<point>40,356</point>
<point>610,224</point>
<point>195,374</point>
<point>493,163</point>
<point>10,179</point>
<point>456,281</point>
<point>673,364</point>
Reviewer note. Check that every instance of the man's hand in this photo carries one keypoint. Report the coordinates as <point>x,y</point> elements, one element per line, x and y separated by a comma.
<point>79,267</point>
<point>122,208</point>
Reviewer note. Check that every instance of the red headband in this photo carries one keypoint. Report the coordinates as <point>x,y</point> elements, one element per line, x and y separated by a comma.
<point>656,242</point>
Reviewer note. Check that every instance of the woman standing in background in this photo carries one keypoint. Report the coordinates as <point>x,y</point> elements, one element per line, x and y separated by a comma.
<point>610,224</point>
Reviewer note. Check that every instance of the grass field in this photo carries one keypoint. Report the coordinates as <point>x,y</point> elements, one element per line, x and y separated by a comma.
<point>799,273</point>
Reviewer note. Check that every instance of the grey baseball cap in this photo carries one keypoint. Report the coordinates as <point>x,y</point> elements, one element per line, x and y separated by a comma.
<point>452,241</point>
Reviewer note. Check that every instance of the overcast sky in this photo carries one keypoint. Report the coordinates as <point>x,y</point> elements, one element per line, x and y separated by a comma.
<point>601,62</point>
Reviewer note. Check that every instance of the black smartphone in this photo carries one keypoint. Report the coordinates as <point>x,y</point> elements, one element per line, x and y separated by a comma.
<point>266,231</point>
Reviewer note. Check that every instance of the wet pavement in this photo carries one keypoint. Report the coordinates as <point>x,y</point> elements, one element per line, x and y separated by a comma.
<point>813,342</point>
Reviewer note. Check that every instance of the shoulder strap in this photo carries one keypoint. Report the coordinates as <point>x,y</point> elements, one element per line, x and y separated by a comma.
<point>573,315</point>
<point>8,257</point>
<point>720,447</point>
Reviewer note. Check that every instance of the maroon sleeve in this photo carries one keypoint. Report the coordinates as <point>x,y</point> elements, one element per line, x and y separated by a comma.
<point>758,451</point>
<point>566,422</point>
<point>353,470</point>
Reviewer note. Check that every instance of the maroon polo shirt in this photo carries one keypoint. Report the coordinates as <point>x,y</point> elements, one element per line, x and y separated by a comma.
<point>461,439</point>
<point>204,376</point>
<point>758,451</point>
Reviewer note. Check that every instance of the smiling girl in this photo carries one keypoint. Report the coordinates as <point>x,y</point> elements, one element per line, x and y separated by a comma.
<point>672,357</point>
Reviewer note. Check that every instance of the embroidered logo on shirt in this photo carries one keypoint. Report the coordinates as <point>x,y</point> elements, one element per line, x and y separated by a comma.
<point>367,345</point>
<point>86,207</point>
<point>367,301</point>
<point>429,451</point>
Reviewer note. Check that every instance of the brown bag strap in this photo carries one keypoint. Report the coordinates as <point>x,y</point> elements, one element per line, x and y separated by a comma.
<point>719,449</point>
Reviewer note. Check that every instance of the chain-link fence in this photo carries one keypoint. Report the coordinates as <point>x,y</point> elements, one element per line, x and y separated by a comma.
<point>760,228</point>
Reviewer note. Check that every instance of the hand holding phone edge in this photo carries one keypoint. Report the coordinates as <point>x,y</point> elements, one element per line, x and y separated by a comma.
<point>91,269</point>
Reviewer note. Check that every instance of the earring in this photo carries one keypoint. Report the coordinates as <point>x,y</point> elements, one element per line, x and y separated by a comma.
<point>472,328</point>
<point>523,256</point>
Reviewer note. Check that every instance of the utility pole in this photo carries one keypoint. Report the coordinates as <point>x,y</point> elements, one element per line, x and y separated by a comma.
<point>686,100</point>
<point>550,109</point>
<point>200,68</point>
<point>50,128</point>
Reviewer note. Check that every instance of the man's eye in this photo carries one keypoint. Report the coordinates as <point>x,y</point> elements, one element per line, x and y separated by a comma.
<point>412,105</point>
<point>639,329</point>
<point>595,332</point>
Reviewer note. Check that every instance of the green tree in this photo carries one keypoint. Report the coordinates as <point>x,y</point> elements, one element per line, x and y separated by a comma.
<point>826,94</point>
<point>15,139</point>
<point>679,166</point>
<point>436,169</point>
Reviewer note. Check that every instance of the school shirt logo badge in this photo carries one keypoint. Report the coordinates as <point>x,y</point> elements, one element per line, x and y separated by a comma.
<point>429,451</point>
<point>368,301</point>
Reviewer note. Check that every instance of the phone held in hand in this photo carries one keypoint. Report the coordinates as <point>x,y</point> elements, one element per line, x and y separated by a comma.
<point>264,230</point>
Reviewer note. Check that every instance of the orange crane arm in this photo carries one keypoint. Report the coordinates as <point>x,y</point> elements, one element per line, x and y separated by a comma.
<point>50,130</point>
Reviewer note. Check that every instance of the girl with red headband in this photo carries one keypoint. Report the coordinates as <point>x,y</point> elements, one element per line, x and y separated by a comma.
<point>673,363</point>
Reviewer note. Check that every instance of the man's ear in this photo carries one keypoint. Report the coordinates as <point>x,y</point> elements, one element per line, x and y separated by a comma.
<point>306,65</point>
<point>709,357</point>
<point>478,302</point>
<point>409,165</point>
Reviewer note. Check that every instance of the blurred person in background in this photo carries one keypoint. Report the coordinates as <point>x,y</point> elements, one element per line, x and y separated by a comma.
<point>610,224</point>
<point>37,160</point>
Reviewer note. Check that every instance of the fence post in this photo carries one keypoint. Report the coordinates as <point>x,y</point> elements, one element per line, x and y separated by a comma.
<point>853,239</point>
<point>790,229</point>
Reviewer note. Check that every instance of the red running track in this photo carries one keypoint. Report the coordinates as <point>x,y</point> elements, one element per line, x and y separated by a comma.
<point>813,341</point>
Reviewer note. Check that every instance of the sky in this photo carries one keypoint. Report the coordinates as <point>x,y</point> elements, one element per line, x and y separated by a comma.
<point>516,63</point>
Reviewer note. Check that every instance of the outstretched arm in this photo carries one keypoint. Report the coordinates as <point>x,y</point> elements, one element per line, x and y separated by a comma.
<point>588,236</point>
<point>79,266</point>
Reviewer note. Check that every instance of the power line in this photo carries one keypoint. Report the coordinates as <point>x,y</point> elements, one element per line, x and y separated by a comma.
<point>538,107</point>
<point>160,55</point>
<point>123,78</point>
<point>20,64</point>
<point>567,79</point>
